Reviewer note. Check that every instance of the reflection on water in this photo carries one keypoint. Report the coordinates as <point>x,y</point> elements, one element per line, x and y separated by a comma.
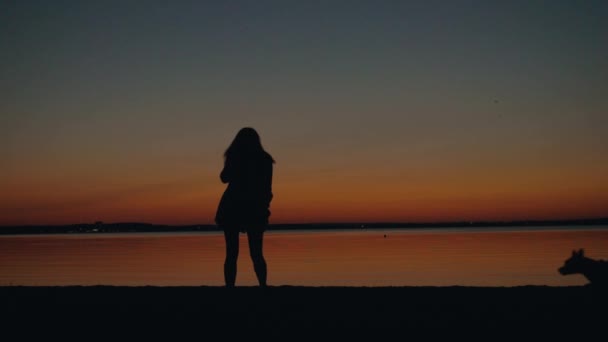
<point>348,258</point>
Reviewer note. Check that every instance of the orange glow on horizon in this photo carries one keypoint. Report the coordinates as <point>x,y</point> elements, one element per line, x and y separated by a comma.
<point>358,195</point>
<point>298,206</point>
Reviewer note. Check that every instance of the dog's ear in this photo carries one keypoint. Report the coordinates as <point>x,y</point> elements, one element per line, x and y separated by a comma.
<point>573,253</point>
<point>581,252</point>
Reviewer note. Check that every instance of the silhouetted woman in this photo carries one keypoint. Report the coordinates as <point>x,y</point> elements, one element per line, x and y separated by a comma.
<point>245,204</point>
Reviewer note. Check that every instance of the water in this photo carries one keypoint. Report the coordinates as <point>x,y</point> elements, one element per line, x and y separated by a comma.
<point>468,257</point>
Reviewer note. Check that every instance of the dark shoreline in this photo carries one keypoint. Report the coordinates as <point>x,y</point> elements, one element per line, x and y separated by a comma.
<point>134,227</point>
<point>293,312</point>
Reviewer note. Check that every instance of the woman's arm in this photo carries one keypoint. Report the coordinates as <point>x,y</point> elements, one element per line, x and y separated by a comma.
<point>226,174</point>
<point>268,181</point>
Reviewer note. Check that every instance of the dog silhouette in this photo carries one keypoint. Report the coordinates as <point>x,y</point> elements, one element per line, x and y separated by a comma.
<point>596,271</point>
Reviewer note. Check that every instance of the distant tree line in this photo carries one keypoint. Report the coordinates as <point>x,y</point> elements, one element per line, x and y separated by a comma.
<point>134,227</point>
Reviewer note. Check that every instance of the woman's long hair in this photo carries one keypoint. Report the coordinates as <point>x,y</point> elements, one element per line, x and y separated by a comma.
<point>246,144</point>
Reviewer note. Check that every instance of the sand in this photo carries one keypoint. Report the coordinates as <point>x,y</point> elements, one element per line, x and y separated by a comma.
<point>304,313</point>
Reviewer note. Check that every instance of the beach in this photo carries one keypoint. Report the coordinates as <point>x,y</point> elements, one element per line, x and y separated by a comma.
<point>293,312</point>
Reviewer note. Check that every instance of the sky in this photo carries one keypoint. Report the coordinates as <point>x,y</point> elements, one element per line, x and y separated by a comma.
<point>120,111</point>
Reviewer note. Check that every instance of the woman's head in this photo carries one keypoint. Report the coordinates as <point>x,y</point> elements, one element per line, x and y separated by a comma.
<point>246,142</point>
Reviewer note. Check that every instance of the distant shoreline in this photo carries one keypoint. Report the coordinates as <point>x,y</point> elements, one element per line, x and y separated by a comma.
<point>136,227</point>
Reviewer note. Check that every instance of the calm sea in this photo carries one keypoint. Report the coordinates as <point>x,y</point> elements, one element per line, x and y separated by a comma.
<point>438,257</point>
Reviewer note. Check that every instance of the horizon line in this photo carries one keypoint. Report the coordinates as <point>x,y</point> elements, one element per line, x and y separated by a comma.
<point>556,220</point>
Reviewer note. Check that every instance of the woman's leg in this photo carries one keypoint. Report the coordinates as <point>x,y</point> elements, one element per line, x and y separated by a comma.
<point>256,239</point>
<point>232,253</point>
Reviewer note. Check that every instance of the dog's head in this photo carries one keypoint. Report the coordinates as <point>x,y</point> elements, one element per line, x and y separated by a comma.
<point>572,265</point>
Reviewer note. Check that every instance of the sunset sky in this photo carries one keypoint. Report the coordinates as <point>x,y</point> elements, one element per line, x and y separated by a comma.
<point>374,110</point>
